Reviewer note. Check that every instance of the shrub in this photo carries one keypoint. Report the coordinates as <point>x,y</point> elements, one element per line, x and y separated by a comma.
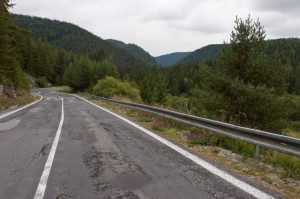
<point>42,82</point>
<point>111,87</point>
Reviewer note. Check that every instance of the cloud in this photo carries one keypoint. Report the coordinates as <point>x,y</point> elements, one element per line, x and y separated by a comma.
<point>165,26</point>
<point>282,6</point>
<point>204,25</point>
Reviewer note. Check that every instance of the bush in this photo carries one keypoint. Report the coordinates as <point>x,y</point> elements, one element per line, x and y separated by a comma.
<point>176,103</point>
<point>111,87</point>
<point>42,82</point>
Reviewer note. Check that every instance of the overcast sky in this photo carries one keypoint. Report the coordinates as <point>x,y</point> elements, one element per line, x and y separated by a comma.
<point>166,26</point>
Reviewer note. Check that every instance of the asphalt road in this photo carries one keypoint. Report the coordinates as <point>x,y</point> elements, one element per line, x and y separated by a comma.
<point>97,156</point>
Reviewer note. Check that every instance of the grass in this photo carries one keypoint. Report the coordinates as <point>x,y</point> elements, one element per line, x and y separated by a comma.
<point>23,97</point>
<point>66,90</point>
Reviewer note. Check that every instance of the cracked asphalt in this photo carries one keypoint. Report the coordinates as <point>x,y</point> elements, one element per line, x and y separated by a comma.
<point>98,156</point>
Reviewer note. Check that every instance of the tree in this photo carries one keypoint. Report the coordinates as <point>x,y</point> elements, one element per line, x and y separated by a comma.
<point>146,91</point>
<point>99,55</point>
<point>77,75</point>
<point>160,91</point>
<point>8,63</point>
<point>246,58</point>
<point>248,86</point>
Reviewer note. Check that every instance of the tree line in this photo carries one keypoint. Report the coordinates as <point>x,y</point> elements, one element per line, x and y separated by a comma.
<point>242,85</point>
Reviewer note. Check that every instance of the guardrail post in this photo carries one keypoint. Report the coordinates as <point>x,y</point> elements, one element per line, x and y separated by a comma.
<point>256,153</point>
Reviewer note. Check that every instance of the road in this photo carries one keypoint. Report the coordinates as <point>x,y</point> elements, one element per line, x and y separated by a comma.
<point>98,155</point>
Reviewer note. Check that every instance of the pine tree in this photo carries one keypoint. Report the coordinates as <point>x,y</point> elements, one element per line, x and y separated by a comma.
<point>8,63</point>
<point>247,89</point>
<point>160,91</point>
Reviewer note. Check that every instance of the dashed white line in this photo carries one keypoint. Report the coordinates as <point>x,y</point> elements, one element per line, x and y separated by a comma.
<point>39,194</point>
<point>14,111</point>
<point>229,178</point>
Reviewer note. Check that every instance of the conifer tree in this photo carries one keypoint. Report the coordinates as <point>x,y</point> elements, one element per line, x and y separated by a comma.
<point>8,63</point>
<point>247,88</point>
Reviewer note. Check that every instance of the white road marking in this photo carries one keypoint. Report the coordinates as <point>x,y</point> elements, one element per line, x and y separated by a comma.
<point>39,194</point>
<point>11,112</point>
<point>229,178</point>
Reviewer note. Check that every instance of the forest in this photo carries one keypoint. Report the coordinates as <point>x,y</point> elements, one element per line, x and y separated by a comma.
<point>249,82</point>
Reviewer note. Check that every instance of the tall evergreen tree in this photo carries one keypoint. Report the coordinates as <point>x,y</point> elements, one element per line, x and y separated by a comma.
<point>248,87</point>
<point>8,63</point>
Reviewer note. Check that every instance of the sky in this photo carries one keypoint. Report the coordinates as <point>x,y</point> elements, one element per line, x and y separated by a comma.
<point>167,26</point>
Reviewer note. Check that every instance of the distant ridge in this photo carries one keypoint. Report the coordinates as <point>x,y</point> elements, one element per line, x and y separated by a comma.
<point>171,59</point>
<point>135,49</point>
<point>201,54</point>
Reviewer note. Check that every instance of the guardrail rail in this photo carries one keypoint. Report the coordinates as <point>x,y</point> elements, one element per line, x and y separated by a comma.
<point>276,142</point>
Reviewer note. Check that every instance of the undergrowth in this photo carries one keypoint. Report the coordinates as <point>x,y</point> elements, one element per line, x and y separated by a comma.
<point>23,97</point>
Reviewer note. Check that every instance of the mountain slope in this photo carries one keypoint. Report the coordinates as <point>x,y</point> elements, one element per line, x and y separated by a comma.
<point>206,52</point>
<point>170,59</point>
<point>287,50</point>
<point>136,50</point>
<point>71,37</point>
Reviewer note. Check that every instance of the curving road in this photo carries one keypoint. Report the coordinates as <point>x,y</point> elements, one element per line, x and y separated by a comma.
<point>97,156</point>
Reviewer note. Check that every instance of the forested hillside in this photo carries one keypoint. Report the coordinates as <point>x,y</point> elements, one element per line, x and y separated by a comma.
<point>201,54</point>
<point>171,59</point>
<point>70,37</point>
<point>136,50</point>
<point>242,87</point>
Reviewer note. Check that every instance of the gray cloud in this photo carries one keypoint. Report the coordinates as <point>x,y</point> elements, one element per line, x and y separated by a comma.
<point>283,6</point>
<point>165,26</point>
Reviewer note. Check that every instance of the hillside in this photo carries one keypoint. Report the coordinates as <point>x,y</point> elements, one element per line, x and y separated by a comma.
<point>170,59</point>
<point>198,55</point>
<point>73,38</point>
<point>135,49</point>
<point>287,49</point>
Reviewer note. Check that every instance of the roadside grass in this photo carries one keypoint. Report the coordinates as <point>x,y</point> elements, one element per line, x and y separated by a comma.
<point>292,132</point>
<point>278,171</point>
<point>66,90</point>
<point>23,97</point>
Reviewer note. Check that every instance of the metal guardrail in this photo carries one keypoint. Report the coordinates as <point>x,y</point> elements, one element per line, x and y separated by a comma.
<point>276,142</point>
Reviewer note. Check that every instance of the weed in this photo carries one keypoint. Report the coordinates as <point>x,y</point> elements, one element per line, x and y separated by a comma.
<point>215,150</point>
<point>157,128</point>
<point>146,120</point>
<point>289,164</point>
<point>23,97</point>
<point>199,141</point>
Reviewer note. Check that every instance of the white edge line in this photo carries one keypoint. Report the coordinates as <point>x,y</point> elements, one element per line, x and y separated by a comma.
<point>14,111</point>
<point>229,178</point>
<point>39,194</point>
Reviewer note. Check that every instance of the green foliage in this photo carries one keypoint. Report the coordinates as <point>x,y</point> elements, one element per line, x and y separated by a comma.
<point>146,91</point>
<point>99,70</point>
<point>111,87</point>
<point>73,38</point>
<point>136,50</point>
<point>202,54</point>
<point>8,62</point>
<point>99,55</point>
<point>77,75</point>
<point>42,82</point>
<point>66,90</point>
<point>21,82</point>
<point>246,89</point>
<point>160,91</point>
<point>181,104</point>
<point>198,141</point>
<point>290,165</point>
